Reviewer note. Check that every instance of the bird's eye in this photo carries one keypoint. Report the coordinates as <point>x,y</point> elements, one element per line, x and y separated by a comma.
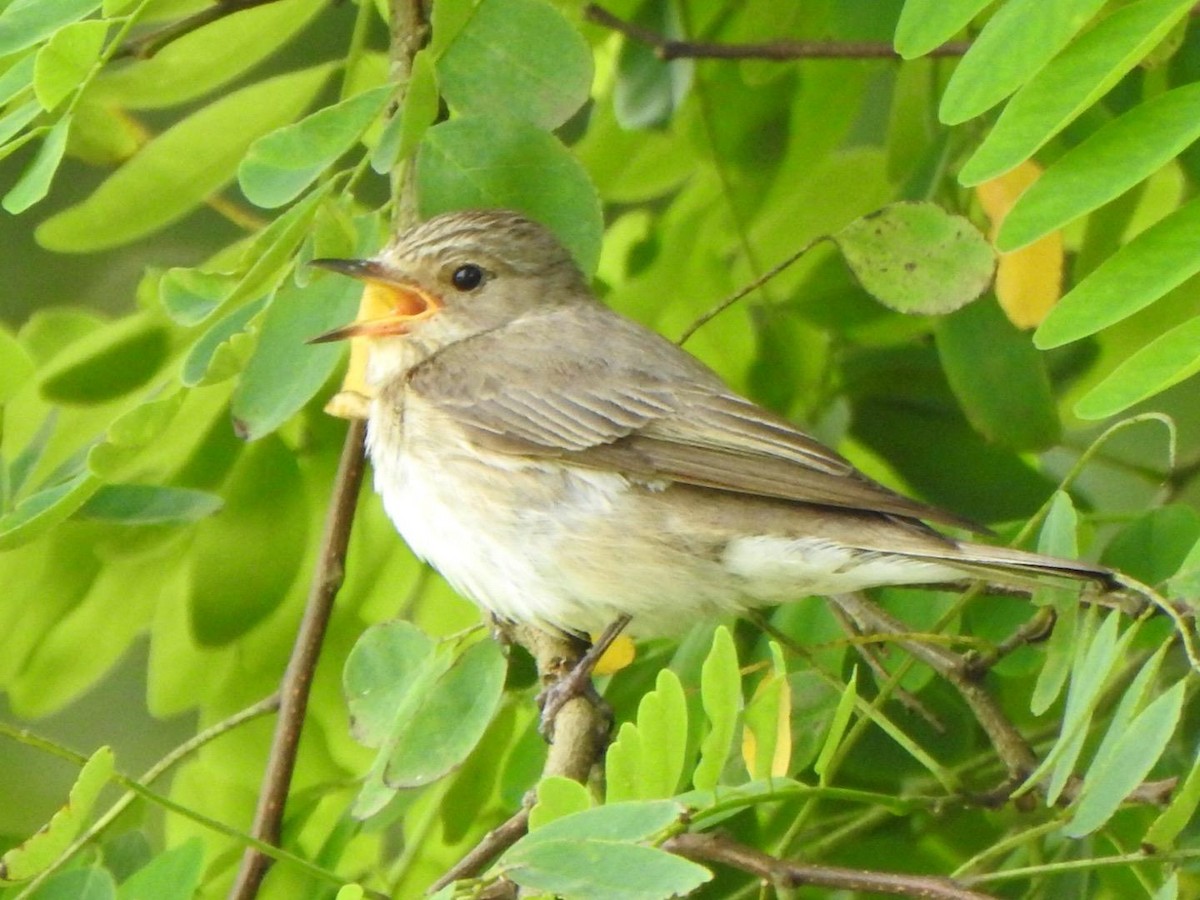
<point>467,277</point>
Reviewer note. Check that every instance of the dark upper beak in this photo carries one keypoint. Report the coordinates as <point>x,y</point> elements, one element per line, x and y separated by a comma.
<point>403,302</point>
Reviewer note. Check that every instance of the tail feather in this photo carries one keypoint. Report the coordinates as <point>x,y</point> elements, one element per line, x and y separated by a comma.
<point>1007,565</point>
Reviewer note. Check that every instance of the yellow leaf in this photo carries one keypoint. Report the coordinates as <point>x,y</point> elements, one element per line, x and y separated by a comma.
<point>619,654</point>
<point>768,719</point>
<point>1029,280</point>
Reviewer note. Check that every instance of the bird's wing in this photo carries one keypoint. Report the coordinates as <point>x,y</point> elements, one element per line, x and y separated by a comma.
<point>635,403</point>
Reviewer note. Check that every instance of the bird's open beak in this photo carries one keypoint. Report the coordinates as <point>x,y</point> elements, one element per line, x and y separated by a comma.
<point>390,305</point>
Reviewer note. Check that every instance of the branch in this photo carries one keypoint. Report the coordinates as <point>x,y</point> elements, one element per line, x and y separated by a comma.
<point>668,49</point>
<point>149,44</point>
<point>780,873</point>
<point>581,732</point>
<point>297,680</point>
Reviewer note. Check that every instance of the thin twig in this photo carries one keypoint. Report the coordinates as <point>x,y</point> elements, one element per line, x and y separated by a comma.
<point>149,44</point>
<point>492,845</point>
<point>297,680</point>
<point>705,318</point>
<point>781,873</point>
<point>668,49</point>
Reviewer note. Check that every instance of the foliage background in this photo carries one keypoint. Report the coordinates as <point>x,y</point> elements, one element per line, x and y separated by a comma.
<point>166,463</point>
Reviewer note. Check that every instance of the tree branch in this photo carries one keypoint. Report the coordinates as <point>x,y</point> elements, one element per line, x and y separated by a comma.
<point>668,49</point>
<point>297,680</point>
<point>149,44</point>
<point>781,873</point>
<point>581,733</point>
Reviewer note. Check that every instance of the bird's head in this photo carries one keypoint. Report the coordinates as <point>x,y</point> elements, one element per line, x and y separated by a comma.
<point>456,276</point>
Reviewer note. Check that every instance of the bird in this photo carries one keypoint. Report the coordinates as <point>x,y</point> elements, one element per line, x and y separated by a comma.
<point>565,467</point>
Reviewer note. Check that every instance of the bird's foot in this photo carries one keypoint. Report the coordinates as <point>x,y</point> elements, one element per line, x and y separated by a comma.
<point>577,682</point>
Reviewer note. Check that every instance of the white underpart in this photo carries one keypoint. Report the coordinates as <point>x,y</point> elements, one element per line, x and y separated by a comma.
<point>549,544</point>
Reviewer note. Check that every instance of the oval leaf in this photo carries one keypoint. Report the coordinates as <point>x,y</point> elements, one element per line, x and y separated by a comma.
<point>602,870</point>
<point>981,349</point>
<point>148,504</point>
<point>917,258</point>
<point>489,162</point>
<point>66,59</point>
<point>24,24</point>
<point>34,184</point>
<point>521,57</point>
<point>1105,165</point>
<point>181,167</point>
<point>284,373</point>
<point>280,165</point>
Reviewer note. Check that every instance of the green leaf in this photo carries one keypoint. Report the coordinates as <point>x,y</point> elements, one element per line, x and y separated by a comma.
<point>16,78</point>
<point>635,821</point>
<point>230,588</point>
<point>1058,538</point>
<point>384,666</point>
<point>44,848</point>
<point>180,168</point>
<point>519,57</point>
<point>88,883</point>
<point>557,796</point>
<point>917,258</point>
<point>721,696</point>
<point>189,296</point>
<point>41,511</point>
<point>110,363</point>
<point>284,372</point>
<point>1178,814</point>
<point>424,710</point>
<point>1133,701</point>
<point>765,720</point>
<point>1165,361</point>
<point>602,870</point>
<point>66,59</point>
<point>34,184</point>
<point>23,24</point>
<point>16,120</point>
<point>16,367</point>
<point>1154,546</point>
<point>132,432</point>
<point>646,760</point>
<point>649,90</point>
<point>926,24</point>
<point>496,162</point>
<point>1156,261</point>
<point>280,165</point>
<point>199,365</point>
<point>1070,83</point>
<point>1106,786</point>
<point>837,726</point>
<point>405,128</point>
<point>1016,42</point>
<point>980,349</point>
<point>450,719</point>
<point>172,875</point>
<point>149,504</point>
<point>1104,166</point>
<point>200,61</point>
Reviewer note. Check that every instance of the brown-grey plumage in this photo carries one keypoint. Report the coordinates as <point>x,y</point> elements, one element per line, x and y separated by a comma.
<point>563,465</point>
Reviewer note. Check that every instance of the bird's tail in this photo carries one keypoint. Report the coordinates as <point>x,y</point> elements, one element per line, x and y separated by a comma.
<point>1021,568</point>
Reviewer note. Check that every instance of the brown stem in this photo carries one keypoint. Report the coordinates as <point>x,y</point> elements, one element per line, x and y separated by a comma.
<point>297,680</point>
<point>1014,751</point>
<point>149,44</point>
<point>492,845</point>
<point>668,49</point>
<point>781,873</point>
